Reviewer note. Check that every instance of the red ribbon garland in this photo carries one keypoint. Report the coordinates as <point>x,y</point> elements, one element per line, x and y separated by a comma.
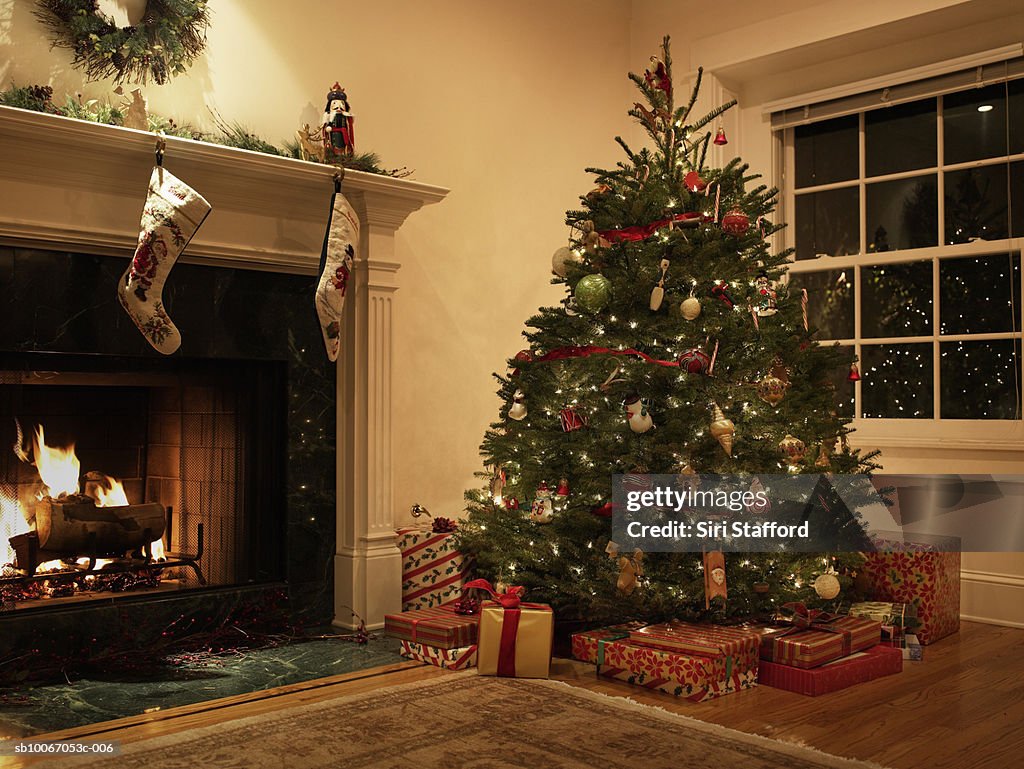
<point>644,231</point>
<point>561,353</point>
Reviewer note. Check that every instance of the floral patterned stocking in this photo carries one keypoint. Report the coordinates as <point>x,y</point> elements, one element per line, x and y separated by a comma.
<point>336,260</point>
<point>171,216</point>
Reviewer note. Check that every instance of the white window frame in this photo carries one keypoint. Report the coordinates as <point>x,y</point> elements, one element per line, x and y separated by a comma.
<point>995,434</point>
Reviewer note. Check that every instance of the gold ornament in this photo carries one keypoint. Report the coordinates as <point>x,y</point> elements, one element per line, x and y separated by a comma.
<point>772,390</point>
<point>689,479</point>
<point>722,429</point>
<point>793,448</point>
<point>690,308</point>
<point>823,456</point>
<point>630,568</point>
<point>827,586</point>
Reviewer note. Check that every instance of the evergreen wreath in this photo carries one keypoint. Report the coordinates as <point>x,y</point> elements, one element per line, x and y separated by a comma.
<point>163,44</point>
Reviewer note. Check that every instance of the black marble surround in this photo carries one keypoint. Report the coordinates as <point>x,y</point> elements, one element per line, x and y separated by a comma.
<point>54,301</point>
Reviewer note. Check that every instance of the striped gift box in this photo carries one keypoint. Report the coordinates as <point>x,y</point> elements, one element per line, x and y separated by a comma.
<point>811,648</point>
<point>681,675</point>
<point>436,626</point>
<point>449,659</point>
<point>733,646</point>
<point>432,569</point>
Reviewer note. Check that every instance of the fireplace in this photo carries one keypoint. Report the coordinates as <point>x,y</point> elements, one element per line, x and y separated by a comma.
<point>195,450</point>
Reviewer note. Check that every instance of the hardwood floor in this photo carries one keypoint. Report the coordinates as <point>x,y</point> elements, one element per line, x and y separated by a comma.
<point>963,706</point>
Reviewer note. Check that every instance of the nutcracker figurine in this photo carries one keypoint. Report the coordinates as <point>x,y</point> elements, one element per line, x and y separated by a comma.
<point>765,299</point>
<point>339,124</point>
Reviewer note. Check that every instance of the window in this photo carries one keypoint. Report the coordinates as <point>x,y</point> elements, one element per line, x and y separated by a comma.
<point>907,222</point>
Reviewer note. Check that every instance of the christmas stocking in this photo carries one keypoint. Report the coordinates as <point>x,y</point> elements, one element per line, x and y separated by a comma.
<point>336,260</point>
<point>171,216</point>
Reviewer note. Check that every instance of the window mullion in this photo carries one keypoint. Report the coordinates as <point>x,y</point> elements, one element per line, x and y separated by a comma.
<point>940,185</point>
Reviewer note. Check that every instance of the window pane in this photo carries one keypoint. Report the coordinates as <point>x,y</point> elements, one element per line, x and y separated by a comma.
<point>829,301</point>
<point>844,391</point>
<point>902,214</point>
<point>970,130</point>
<point>827,223</point>
<point>980,295</point>
<point>896,300</point>
<point>897,381</point>
<point>1017,199</point>
<point>826,152</point>
<point>976,204</point>
<point>980,379</point>
<point>900,138</point>
<point>1016,89</point>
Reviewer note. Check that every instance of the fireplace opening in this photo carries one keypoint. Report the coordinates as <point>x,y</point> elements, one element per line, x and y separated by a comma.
<point>121,475</point>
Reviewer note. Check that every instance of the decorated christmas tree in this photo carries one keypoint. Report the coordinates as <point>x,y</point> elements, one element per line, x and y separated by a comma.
<point>677,350</point>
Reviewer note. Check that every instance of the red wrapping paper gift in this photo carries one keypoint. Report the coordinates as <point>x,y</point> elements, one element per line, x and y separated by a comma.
<point>922,575</point>
<point>737,646</point>
<point>813,638</point>
<point>439,626</point>
<point>864,666</point>
<point>584,645</point>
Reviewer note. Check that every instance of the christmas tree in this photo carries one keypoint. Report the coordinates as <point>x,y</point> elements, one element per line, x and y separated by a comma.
<point>676,350</point>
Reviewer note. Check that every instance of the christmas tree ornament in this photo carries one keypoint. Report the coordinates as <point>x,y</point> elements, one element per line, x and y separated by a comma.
<point>693,182</point>
<point>722,429</point>
<point>336,262</point>
<point>543,509</point>
<point>719,292</point>
<point>690,308</point>
<point>714,577</point>
<point>630,571</point>
<point>658,292</point>
<point>827,585</point>
<point>593,293</point>
<point>603,510</point>
<point>597,193</point>
<point>854,375</point>
<point>561,260</point>
<point>517,410</point>
<point>639,418</point>
<point>612,549</point>
<point>688,479</point>
<point>656,76</point>
<point>772,390</point>
<point>571,420</point>
<point>803,307</point>
<point>512,503</point>
<point>339,126</point>
<point>823,461</point>
<point>735,222</point>
<point>612,379</point>
<point>759,504</point>
<point>765,305</point>
<point>172,213</point>
<point>720,137</point>
<point>590,238</point>
<point>793,448</point>
<point>761,587</point>
<point>696,361</point>
<point>563,488</point>
<point>497,485</point>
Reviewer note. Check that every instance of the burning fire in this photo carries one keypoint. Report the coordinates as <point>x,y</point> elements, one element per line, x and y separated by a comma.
<point>59,470</point>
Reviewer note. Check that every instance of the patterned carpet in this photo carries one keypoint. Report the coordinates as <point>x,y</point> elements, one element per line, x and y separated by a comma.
<point>470,722</point>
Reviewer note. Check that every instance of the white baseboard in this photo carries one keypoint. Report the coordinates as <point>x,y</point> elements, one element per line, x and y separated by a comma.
<point>992,598</point>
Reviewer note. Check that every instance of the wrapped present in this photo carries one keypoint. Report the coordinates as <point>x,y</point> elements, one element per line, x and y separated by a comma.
<point>691,677</point>
<point>439,626</point>
<point>895,618</point>
<point>923,574</point>
<point>432,569</point>
<point>515,636</point>
<point>450,659</point>
<point>811,638</point>
<point>584,645</point>
<point>911,648</point>
<point>859,667</point>
<point>737,645</point>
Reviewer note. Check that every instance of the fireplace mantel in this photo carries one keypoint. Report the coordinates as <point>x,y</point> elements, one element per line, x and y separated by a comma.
<point>75,186</point>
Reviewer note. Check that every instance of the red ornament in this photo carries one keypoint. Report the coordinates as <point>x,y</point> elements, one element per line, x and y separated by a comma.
<point>571,419</point>
<point>719,293</point>
<point>511,503</point>
<point>695,361</point>
<point>735,222</point>
<point>694,183</point>
<point>563,488</point>
<point>854,375</point>
<point>720,137</point>
<point>466,605</point>
<point>602,511</point>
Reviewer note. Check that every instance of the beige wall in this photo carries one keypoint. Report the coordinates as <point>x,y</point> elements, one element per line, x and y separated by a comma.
<point>505,104</point>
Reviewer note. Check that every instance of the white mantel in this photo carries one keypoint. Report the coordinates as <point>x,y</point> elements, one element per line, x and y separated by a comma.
<point>79,186</point>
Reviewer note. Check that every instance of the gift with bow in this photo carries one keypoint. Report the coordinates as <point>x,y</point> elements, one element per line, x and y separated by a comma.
<point>514,638</point>
<point>808,638</point>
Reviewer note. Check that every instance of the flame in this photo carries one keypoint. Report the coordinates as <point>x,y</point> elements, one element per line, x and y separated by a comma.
<point>58,468</point>
<point>110,492</point>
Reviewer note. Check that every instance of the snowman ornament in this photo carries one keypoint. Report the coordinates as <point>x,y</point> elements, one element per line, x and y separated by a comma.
<point>637,415</point>
<point>542,510</point>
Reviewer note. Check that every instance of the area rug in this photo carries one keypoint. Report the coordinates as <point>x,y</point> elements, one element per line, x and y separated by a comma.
<point>466,721</point>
